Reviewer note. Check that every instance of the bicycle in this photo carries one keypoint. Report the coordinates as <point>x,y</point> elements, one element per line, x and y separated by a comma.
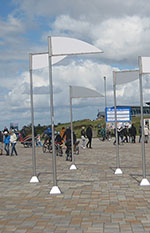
<point>58,148</point>
<point>76,148</point>
<point>47,147</point>
<point>68,151</point>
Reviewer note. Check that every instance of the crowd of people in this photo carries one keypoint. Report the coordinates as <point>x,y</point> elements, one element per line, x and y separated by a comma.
<point>8,140</point>
<point>128,134</point>
<point>64,138</point>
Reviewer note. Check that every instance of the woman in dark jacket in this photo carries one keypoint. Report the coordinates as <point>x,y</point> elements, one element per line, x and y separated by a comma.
<point>133,133</point>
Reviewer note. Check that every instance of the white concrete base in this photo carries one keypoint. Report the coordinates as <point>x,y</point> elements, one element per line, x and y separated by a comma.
<point>73,167</point>
<point>34,179</point>
<point>144,182</point>
<point>118,171</point>
<point>55,190</point>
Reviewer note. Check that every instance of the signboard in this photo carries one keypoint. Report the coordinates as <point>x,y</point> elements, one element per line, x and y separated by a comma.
<point>123,114</point>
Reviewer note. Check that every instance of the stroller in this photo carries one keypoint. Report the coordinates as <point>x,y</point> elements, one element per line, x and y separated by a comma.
<point>27,141</point>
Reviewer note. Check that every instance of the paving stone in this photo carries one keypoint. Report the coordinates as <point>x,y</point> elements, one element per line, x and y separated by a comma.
<point>93,199</point>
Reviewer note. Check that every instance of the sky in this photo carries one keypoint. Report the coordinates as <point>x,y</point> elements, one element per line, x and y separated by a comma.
<point>120,28</point>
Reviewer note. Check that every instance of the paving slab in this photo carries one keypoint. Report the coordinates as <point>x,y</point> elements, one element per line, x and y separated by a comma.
<point>93,198</point>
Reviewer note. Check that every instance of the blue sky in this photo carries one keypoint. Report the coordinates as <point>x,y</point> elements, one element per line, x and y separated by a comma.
<point>120,28</point>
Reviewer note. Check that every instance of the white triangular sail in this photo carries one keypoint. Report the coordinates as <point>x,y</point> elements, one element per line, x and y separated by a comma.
<point>83,92</point>
<point>40,61</point>
<point>70,46</point>
<point>62,47</point>
<point>144,65</point>
<point>125,76</point>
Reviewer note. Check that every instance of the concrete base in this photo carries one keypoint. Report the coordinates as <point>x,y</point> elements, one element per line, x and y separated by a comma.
<point>34,179</point>
<point>55,190</point>
<point>144,182</point>
<point>118,171</point>
<point>73,167</point>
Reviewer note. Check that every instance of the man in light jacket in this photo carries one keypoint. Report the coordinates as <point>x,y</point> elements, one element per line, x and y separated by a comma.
<point>13,140</point>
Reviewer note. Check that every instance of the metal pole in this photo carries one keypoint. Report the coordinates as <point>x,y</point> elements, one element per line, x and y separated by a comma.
<point>105,97</point>
<point>32,117</point>
<point>115,110</point>
<point>71,123</point>
<point>142,126</point>
<point>52,112</point>
<point>105,92</point>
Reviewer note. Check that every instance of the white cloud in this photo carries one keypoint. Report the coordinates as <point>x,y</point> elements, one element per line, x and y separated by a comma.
<point>11,26</point>
<point>122,39</point>
<point>123,33</point>
<point>81,73</point>
<point>92,11</point>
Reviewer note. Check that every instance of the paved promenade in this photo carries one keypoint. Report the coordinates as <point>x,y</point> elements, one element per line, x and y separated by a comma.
<point>93,199</point>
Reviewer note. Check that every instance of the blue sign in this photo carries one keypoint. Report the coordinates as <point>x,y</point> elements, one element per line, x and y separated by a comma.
<point>123,114</point>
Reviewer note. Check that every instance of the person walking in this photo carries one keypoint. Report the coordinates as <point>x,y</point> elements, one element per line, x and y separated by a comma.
<point>67,136</point>
<point>118,132</point>
<point>125,133</point>
<point>103,133</point>
<point>1,143</point>
<point>89,136</point>
<point>146,134</point>
<point>133,133</point>
<point>140,133</point>
<point>6,142</point>
<point>83,134</point>
<point>13,141</point>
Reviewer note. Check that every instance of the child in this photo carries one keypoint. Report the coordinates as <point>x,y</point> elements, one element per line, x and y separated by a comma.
<point>38,140</point>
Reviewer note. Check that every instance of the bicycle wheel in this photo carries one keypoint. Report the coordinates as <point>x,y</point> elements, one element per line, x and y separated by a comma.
<point>77,150</point>
<point>44,148</point>
<point>50,148</point>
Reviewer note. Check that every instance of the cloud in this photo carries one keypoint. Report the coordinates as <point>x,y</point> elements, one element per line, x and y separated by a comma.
<point>11,27</point>
<point>121,39</point>
<point>123,33</point>
<point>93,11</point>
<point>80,73</point>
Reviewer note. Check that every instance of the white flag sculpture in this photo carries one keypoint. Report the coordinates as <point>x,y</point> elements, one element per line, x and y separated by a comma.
<point>121,77</point>
<point>64,46</point>
<point>79,92</point>
<point>70,47</point>
<point>58,48</point>
<point>37,61</point>
<point>40,61</point>
<point>83,92</point>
